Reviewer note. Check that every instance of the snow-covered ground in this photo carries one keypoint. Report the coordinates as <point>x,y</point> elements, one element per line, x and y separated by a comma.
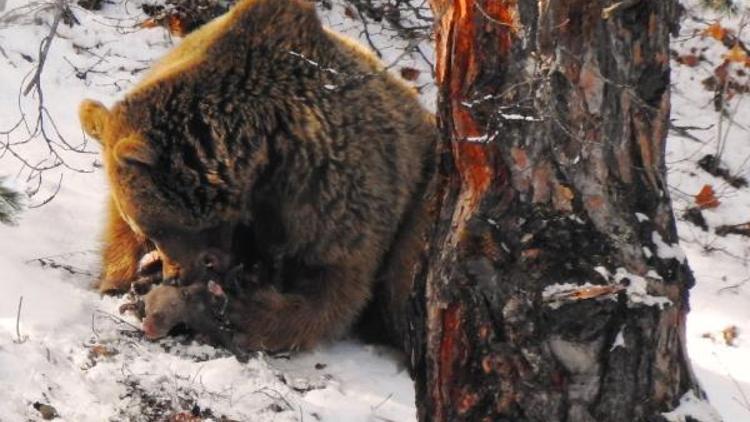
<point>720,299</point>
<point>73,351</point>
<point>77,354</point>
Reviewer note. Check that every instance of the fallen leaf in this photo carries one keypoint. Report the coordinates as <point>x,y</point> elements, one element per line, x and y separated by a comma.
<point>184,417</point>
<point>730,335</point>
<point>177,26</point>
<point>149,23</point>
<point>409,73</point>
<point>101,351</point>
<point>736,54</point>
<point>706,198</point>
<point>690,60</point>
<point>716,31</point>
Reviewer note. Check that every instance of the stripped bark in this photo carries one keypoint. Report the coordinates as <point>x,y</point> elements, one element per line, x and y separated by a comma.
<point>555,115</point>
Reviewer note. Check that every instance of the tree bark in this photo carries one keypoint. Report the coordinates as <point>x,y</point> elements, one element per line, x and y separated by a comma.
<point>554,288</point>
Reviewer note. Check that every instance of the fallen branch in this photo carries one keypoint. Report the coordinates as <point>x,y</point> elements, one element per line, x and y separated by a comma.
<point>740,229</point>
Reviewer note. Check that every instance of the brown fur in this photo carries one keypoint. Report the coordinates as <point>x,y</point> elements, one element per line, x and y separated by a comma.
<point>266,138</point>
<point>165,307</point>
<point>193,306</point>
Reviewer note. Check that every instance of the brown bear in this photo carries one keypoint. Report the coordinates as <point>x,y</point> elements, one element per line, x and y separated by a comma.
<point>264,137</point>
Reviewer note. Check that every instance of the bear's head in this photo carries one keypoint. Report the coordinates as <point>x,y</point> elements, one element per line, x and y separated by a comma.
<point>187,209</point>
<point>183,149</point>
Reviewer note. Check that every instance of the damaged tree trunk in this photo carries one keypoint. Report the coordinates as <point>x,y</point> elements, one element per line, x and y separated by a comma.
<point>555,288</point>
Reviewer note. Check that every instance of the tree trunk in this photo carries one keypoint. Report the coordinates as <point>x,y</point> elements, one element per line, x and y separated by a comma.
<point>555,289</point>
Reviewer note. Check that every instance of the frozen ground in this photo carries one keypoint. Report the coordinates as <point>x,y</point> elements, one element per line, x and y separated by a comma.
<point>73,351</point>
<point>721,298</point>
<point>77,354</point>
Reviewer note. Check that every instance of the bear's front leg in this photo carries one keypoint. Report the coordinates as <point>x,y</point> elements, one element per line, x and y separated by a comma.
<point>122,252</point>
<point>274,321</point>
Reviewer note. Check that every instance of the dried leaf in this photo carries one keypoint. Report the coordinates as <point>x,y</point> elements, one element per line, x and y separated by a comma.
<point>184,417</point>
<point>177,26</point>
<point>706,198</point>
<point>730,335</point>
<point>690,60</point>
<point>736,54</point>
<point>101,351</point>
<point>409,73</point>
<point>149,23</point>
<point>716,31</point>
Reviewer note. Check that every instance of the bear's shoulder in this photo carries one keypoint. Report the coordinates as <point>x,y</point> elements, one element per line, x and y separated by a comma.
<point>248,22</point>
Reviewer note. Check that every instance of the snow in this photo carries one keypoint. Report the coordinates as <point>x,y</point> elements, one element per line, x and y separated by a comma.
<point>666,251</point>
<point>619,340</point>
<point>720,297</point>
<point>75,352</point>
<point>516,116</point>
<point>636,290</point>
<point>693,407</point>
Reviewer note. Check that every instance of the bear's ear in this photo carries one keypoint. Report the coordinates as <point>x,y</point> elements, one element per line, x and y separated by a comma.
<point>94,117</point>
<point>133,150</point>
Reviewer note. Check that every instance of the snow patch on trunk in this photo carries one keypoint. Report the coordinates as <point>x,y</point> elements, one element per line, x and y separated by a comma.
<point>692,408</point>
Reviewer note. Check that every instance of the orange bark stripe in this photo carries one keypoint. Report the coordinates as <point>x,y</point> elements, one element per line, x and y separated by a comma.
<point>461,69</point>
<point>502,13</point>
<point>448,354</point>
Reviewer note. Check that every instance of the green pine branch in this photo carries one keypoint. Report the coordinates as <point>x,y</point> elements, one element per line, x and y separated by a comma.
<point>730,7</point>
<point>11,203</point>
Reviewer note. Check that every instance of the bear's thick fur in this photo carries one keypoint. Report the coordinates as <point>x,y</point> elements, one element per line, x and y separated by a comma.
<point>264,137</point>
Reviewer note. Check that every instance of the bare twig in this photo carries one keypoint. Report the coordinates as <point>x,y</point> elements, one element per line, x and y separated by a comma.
<point>366,33</point>
<point>684,131</point>
<point>44,47</point>
<point>51,263</point>
<point>51,196</point>
<point>118,320</point>
<point>607,12</point>
<point>275,395</point>
<point>93,326</point>
<point>493,20</point>
<point>734,286</point>
<point>379,405</point>
<point>19,338</point>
